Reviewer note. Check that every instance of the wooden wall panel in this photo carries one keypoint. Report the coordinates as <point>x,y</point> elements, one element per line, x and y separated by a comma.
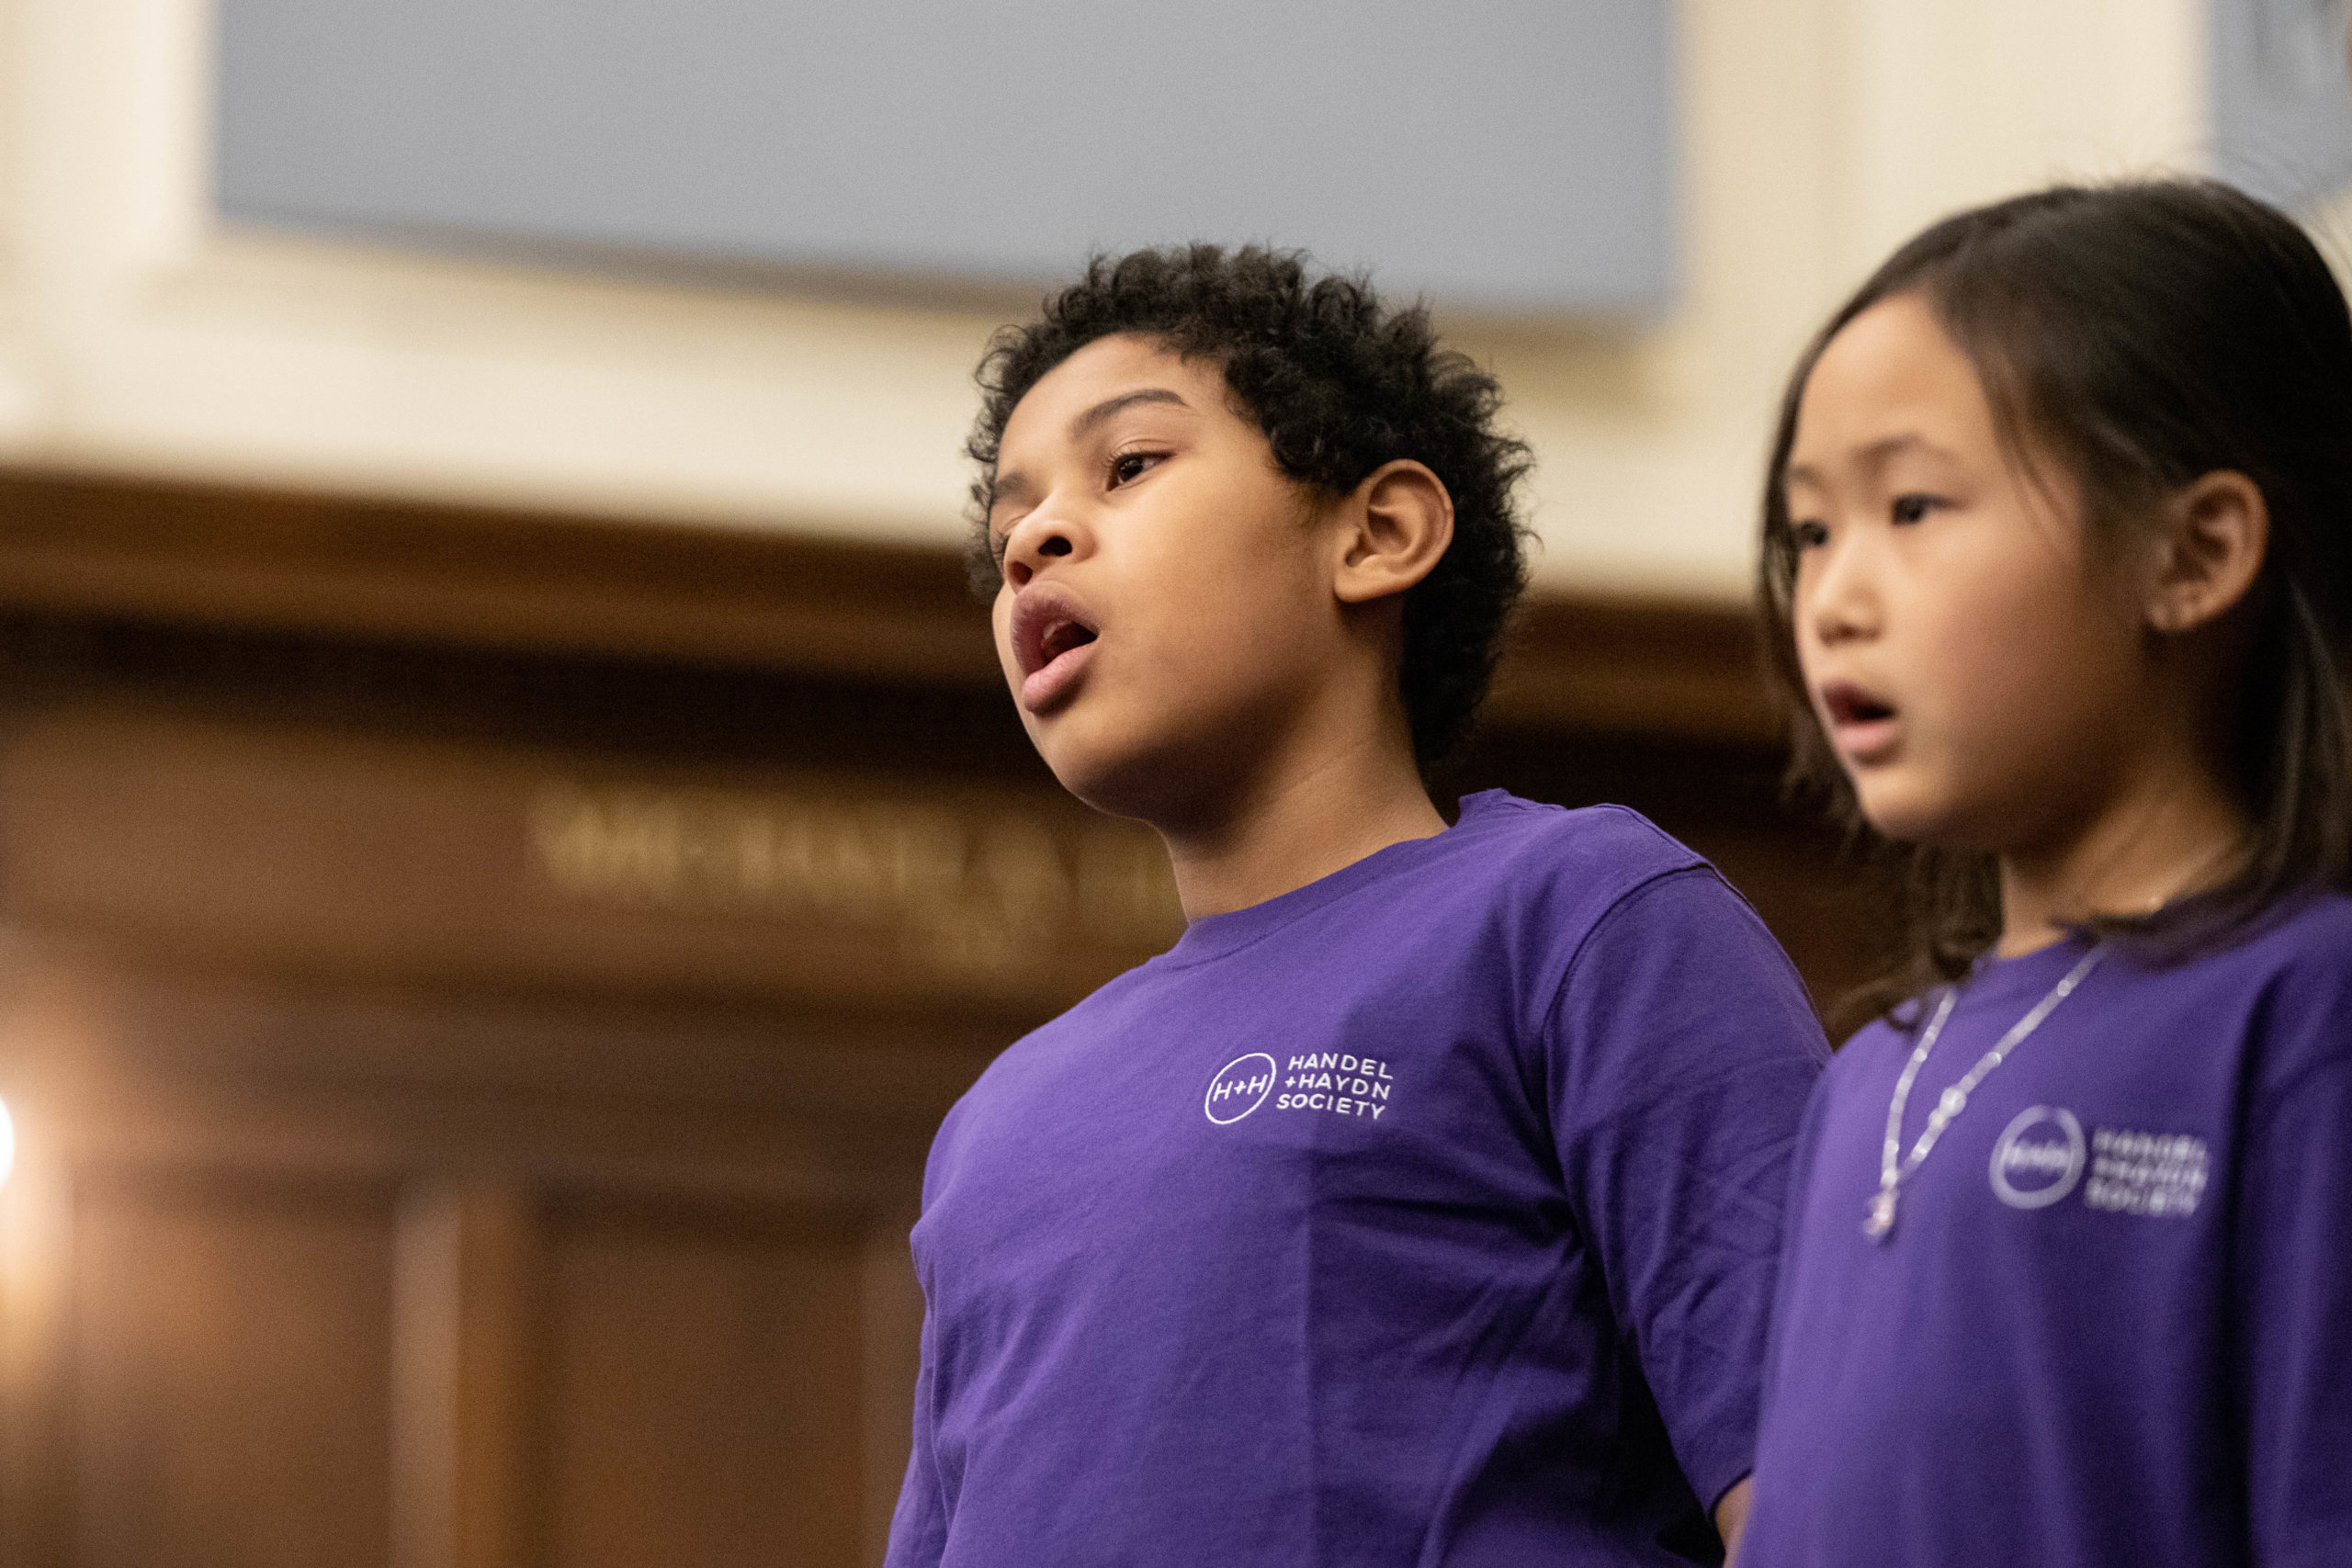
<point>467,1377</point>
<point>230,1382</point>
<point>306,847</point>
<point>706,1400</point>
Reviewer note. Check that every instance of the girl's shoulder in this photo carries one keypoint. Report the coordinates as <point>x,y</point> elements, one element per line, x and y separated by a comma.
<point>2299,963</point>
<point>1877,1043</point>
<point>2305,936</point>
<point>2272,993</point>
<point>2300,950</point>
<point>2318,922</point>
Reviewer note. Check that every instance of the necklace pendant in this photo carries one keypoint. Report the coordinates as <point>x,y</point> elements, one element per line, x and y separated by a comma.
<point>1880,1224</point>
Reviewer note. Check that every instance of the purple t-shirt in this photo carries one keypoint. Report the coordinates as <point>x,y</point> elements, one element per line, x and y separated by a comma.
<point>2113,1323</point>
<point>1427,1214</point>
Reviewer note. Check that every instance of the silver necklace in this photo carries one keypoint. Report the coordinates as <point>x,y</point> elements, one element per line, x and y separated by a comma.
<point>1894,1166</point>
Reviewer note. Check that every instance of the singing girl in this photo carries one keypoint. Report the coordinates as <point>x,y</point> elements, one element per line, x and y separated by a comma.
<point>2058,566</point>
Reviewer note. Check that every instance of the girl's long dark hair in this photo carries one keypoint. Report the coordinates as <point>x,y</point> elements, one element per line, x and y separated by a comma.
<point>2141,335</point>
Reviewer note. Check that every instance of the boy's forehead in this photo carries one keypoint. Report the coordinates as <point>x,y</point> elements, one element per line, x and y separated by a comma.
<point>1111,370</point>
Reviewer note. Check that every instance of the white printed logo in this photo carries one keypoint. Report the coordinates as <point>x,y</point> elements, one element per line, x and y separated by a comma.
<point>1340,1083</point>
<point>2159,1174</point>
<point>2038,1158</point>
<point>1241,1086</point>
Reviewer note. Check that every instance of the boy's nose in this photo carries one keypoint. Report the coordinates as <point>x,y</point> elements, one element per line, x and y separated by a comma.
<point>1034,542</point>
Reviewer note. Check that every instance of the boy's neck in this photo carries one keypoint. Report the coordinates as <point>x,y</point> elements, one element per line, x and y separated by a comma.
<point>1291,826</point>
<point>2171,832</point>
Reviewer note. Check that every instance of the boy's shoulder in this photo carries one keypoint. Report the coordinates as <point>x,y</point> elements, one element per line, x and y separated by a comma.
<point>1510,895</point>
<point>1510,870</point>
<point>1593,834</point>
<point>1596,854</point>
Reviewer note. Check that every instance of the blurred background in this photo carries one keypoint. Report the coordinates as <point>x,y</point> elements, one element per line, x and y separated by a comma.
<point>511,835</point>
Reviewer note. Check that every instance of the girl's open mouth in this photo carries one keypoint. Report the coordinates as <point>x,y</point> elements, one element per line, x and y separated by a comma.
<point>1861,725</point>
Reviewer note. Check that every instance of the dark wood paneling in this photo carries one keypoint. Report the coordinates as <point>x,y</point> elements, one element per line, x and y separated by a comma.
<point>706,1400</point>
<point>1652,668</point>
<point>304,850</point>
<point>230,1391</point>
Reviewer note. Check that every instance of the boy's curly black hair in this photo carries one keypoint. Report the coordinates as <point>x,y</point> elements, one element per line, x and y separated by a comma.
<point>1340,385</point>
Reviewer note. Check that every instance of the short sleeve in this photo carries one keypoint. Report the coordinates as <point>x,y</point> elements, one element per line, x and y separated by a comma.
<point>1681,1052</point>
<point>2294,1279</point>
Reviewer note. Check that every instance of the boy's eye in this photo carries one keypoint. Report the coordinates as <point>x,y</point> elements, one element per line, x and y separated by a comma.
<point>1128,467</point>
<point>1809,535</point>
<point>1912,508</point>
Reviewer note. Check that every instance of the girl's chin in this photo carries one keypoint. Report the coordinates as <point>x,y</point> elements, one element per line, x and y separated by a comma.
<point>1927,827</point>
<point>1898,810</point>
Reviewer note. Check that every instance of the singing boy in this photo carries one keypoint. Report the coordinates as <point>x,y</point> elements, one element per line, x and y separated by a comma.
<point>1421,1204</point>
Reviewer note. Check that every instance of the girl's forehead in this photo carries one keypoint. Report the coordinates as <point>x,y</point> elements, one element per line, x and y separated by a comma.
<point>1891,377</point>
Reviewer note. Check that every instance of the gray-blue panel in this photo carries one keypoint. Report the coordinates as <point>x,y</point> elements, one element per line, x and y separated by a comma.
<point>1499,154</point>
<point>2282,97</point>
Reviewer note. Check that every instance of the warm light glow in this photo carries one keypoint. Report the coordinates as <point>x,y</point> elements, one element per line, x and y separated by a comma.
<point>8,1144</point>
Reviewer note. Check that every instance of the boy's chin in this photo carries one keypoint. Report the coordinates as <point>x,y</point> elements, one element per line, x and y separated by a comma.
<point>1143,783</point>
<point>1112,787</point>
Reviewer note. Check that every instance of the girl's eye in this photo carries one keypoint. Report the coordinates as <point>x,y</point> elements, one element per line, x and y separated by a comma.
<point>1128,467</point>
<point>1912,508</point>
<point>1809,535</point>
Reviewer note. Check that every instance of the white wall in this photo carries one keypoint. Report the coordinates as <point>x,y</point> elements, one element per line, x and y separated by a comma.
<point>137,335</point>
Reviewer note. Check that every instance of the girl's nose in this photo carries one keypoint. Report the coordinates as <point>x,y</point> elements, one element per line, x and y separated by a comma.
<point>1838,600</point>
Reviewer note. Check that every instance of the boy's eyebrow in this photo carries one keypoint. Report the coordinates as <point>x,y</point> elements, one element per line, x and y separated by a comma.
<point>1007,486</point>
<point>1110,406</point>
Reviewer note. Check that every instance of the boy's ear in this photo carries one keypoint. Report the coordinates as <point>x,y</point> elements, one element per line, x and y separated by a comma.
<point>1395,526</point>
<point>2218,535</point>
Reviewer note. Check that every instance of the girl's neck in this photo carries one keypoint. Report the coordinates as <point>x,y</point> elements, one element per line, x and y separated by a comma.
<point>2170,832</point>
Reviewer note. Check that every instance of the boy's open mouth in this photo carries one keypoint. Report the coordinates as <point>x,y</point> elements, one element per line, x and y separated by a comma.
<point>1052,632</point>
<point>1060,636</point>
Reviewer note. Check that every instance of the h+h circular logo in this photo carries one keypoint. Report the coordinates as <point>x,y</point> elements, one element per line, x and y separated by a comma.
<point>1241,1086</point>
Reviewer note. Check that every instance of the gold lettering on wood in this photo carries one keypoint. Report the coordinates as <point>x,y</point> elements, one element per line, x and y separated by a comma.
<point>968,885</point>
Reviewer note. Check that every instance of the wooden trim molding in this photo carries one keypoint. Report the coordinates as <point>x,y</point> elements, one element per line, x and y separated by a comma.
<point>267,560</point>
<point>171,552</point>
